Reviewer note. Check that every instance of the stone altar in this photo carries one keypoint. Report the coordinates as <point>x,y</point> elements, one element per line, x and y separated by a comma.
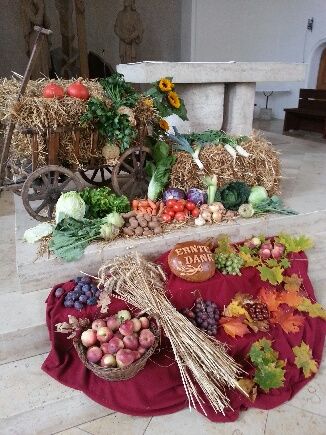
<point>218,95</point>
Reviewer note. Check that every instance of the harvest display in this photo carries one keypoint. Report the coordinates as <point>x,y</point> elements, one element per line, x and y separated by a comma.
<point>230,322</point>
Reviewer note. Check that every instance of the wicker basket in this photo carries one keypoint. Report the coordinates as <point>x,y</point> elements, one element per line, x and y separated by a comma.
<point>118,374</point>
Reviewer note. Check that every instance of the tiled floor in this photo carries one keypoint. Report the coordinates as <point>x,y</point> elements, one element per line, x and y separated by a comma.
<point>48,408</point>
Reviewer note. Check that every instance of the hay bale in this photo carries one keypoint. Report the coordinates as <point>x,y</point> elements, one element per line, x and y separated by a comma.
<point>261,168</point>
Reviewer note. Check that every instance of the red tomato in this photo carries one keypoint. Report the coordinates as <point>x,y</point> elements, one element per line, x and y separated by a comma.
<point>195,212</point>
<point>190,206</point>
<point>169,211</point>
<point>178,207</point>
<point>170,202</point>
<point>182,201</point>
<point>180,216</point>
<point>166,218</point>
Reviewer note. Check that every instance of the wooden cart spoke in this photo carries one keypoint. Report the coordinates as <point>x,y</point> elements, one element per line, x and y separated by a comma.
<point>126,186</point>
<point>55,180</point>
<point>127,167</point>
<point>89,175</point>
<point>94,174</point>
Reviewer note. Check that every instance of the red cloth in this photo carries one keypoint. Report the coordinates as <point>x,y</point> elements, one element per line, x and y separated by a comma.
<point>158,389</point>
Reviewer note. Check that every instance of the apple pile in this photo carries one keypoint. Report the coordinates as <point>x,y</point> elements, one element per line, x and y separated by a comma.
<point>117,341</point>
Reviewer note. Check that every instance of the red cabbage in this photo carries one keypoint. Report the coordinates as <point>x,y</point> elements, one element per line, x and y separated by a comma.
<point>197,196</point>
<point>173,193</point>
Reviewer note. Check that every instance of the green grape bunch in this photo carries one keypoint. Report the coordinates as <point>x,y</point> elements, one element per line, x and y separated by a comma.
<point>228,264</point>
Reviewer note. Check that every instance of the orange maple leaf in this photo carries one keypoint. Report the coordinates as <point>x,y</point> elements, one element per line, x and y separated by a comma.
<point>234,326</point>
<point>292,283</point>
<point>288,321</point>
<point>269,297</point>
<point>292,299</point>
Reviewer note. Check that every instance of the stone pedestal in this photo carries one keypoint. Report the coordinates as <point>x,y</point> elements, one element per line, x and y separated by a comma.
<point>202,86</point>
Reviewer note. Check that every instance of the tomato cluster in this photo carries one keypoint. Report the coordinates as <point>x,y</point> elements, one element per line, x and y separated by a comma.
<point>179,210</point>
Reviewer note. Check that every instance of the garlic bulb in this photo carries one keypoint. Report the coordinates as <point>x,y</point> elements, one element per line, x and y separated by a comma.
<point>200,221</point>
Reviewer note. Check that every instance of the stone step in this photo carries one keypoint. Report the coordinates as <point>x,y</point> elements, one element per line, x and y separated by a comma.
<point>41,405</point>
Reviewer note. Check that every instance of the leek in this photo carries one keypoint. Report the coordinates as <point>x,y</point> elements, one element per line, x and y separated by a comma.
<point>211,184</point>
<point>181,144</point>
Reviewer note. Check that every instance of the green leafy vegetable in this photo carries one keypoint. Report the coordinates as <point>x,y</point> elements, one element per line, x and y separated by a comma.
<point>269,370</point>
<point>181,144</point>
<point>272,205</point>
<point>215,137</point>
<point>70,204</point>
<point>100,202</point>
<point>257,195</point>
<point>119,91</point>
<point>234,194</point>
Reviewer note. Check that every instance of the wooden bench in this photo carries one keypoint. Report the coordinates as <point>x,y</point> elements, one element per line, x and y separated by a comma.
<point>310,114</point>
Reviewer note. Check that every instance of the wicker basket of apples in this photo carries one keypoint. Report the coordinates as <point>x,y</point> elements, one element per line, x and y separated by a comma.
<point>118,347</point>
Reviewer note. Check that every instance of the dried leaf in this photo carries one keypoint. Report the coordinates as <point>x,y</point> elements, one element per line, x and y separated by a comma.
<point>292,299</point>
<point>288,321</point>
<point>73,326</point>
<point>249,386</point>
<point>270,298</point>
<point>234,326</point>
<point>313,309</point>
<point>258,325</point>
<point>292,283</point>
<point>303,359</point>
<point>273,275</point>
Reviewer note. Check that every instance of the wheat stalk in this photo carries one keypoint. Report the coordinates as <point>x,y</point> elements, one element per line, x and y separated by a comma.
<point>199,357</point>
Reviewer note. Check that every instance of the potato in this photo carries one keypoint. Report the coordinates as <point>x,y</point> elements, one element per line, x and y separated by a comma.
<point>158,230</point>
<point>148,217</point>
<point>147,233</point>
<point>129,215</point>
<point>143,222</point>
<point>153,225</point>
<point>139,231</point>
<point>133,222</point>
<point>128,231</point>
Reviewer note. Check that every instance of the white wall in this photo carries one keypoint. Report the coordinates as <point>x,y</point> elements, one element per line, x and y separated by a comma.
<point>161,40</point>
<point>259,30</point>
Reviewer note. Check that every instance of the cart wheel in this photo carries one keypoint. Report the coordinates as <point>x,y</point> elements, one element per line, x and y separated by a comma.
<point>128,176</point>
<point>43,188</point>
<point>97,177</point>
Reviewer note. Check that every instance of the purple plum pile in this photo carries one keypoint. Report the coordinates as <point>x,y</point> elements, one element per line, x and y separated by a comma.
<point>84,293</point>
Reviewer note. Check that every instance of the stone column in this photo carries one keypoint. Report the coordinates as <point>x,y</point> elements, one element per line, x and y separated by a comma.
<point>239,108</point>
<point>204,103</point>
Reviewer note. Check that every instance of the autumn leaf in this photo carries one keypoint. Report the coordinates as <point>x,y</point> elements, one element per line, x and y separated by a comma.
<point>258,325</point>
<point>313,309</point>
<point>292,283</point>
<point>271,262</point>
<point>292,299</point>
<point>249,260</point>
<point>234,326</point>
<point>262,353</point>
<point>234,309</point>
<point>288,321</point>
<point>284,263</point>
<point>274,275</point>
<point>270,298</point>
<point>303,359</point>
<point>294,244</point>
<point>269,376</point>
<point>249,386</point>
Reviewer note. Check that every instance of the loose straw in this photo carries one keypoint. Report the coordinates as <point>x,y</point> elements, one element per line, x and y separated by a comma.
<point>199,357</point>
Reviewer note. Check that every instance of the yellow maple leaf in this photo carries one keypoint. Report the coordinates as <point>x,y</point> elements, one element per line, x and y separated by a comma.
<point>292,283</point>
<point>234,309</point>
<point>248,259</point>
<point>313,309</point>
<point>233,326</point>
<point>303,359</point>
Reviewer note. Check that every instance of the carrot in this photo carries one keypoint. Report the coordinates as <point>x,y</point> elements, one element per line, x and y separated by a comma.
<point>152,204</point>
<point>142,210</point>
<point>149,210</point>
<point>134,203</point>
<point>161,208</point>
<point>143,203</point>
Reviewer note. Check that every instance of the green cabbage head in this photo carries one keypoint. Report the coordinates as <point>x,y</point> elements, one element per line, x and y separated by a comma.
<point>70,204</point>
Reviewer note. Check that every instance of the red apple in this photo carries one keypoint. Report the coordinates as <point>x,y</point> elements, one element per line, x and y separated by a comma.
<point>104,334</point>
<point>137,324</point>
<point>113,323</point>
<point>119,335</point>
<point>94,354</point>
<point>131,342</point>
<point>144,322</point>
<point>125,357</point>
<point>127,328</point>
<point>264,253</point>
<point>146,338</point>
<point>114,345</point>
<point>108,361</point>
<point>137,355</point>
<point>141,350</point>
<point>98,323</point>
<point>88,338</point>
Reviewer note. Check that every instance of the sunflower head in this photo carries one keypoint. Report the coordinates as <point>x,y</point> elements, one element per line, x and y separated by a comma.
<point>165,85</point>
<point>164,124</point>
<point>174,99</point>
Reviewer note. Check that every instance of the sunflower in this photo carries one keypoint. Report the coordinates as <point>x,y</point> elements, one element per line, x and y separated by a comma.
<point>164,124</point>
<point>165,85</point>
<point>174,99</point>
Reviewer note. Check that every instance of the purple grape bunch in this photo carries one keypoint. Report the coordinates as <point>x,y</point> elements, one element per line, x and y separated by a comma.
<point>205,315</point>
<point>84,293</point>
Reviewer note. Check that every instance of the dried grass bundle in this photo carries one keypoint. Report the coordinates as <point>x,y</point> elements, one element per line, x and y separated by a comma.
<point>199,357</point>
<point>262,167</point>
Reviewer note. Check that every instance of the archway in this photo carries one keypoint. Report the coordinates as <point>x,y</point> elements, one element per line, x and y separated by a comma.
<point>321,78</point>
<point>314,63</point>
